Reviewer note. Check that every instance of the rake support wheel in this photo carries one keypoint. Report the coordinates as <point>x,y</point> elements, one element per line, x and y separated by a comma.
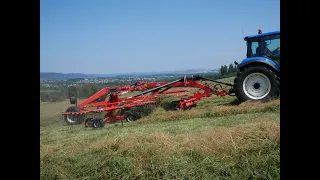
<point>73,118</point>
<point>87,121</point>
<point>97,123</point>
<point>130,117</point>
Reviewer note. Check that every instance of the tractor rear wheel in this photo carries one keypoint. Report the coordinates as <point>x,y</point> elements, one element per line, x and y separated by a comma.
<point>73,118</point>
<point>256,83</point>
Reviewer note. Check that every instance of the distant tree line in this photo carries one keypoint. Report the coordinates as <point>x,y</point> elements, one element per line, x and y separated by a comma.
<point>224,72</point>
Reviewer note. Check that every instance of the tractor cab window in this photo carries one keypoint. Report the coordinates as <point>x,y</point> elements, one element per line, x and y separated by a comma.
<point>253,48</point>
<point>270,47</point>
<point>267,46</point>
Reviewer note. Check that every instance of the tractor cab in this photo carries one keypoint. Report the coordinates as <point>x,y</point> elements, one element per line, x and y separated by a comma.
<point>258,75</point>
<point>264,45</point>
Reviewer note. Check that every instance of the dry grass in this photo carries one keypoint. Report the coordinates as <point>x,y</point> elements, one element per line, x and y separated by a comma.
<point>215,140</point>
<point>212,111</point>
<point>241,138</point>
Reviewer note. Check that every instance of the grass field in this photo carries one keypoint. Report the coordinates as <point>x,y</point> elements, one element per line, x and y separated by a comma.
<point>218,139</point>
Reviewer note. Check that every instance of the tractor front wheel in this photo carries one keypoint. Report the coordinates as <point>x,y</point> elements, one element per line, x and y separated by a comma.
<point>256,83</point>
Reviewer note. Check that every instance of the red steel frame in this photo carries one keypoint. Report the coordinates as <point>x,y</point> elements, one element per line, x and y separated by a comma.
<point>116,102</point>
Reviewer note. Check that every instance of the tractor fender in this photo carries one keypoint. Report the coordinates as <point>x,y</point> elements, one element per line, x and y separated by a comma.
<point>259,60</point>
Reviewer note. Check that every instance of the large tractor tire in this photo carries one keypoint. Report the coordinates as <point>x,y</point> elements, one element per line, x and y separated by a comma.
<point>256,83</point>
<point>73,119</point>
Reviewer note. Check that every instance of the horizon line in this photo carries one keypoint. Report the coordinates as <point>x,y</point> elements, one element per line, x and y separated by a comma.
<point>128,72</point>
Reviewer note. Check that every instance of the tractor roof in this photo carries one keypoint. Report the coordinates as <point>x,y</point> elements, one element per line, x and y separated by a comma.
<point>263,34</point>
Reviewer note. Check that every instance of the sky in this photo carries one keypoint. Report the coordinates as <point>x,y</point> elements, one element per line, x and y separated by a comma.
<point>124,36</point>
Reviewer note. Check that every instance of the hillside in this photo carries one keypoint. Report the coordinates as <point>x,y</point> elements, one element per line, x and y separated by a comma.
<point>217,139</point>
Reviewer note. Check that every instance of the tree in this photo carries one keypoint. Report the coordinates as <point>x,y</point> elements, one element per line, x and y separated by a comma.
<point>231,69</point>
<point>222,71</point>
<point>225,67</point>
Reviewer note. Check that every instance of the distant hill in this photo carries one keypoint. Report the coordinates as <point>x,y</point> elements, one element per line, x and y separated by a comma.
<point>62,76</point>
<point>66,76</point>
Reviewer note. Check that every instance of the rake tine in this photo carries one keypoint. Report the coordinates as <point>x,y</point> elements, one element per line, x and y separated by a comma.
<point>121,123</point>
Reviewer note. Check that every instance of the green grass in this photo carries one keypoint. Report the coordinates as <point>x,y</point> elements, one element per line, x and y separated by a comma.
<point>215,140</point>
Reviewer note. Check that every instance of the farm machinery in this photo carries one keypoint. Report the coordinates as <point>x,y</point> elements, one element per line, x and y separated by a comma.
<point>257,79</point>
<point>117,108</point>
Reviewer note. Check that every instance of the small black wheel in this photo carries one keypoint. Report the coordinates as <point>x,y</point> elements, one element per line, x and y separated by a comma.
<point>97,123</point>
<point>130,117</point>
<point>87,121</point>
<point>73,118</point>
<point>137,115</point>
<point>173,105</point>
<point>73,100</point>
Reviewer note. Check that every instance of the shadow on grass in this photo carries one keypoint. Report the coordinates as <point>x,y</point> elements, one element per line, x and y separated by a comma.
<point>235,102</point>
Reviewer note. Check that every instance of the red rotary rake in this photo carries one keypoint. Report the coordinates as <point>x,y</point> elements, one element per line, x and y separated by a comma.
<point>132,108</point>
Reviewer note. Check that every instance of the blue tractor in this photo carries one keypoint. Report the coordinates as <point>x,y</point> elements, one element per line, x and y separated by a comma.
<point>258,75</point>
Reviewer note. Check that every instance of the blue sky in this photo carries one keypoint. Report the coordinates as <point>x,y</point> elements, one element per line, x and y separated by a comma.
<point>121,36</point>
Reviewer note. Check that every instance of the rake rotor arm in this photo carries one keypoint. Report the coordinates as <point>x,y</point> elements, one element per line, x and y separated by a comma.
<point>94,97</point>
<point>104,91</point>
<point>212,80</point>
<point>162,91</point>
<point>190,82</point>
<point>157,88</point>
